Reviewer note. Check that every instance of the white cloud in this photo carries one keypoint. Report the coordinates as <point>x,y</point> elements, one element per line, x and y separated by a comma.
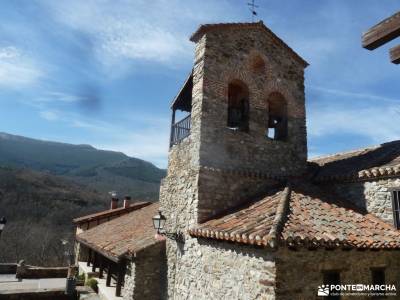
<point>147,138</point>
<point>375,122</point>
<point>357,95</point>
<point>49,115</point>
<point>149,144</point>
<point>143,41</point>
<point>356,113</point>
<point>17,69</point>
<point>59,97</point>
<point>128,31</point>
<point>125,32</point>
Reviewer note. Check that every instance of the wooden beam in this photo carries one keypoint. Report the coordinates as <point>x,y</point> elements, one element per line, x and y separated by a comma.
<point>89,257</point>
<point>395,54</point>
<point>109,271</point>
<point>101,266</point>
<point>95,258</point>
<point>120,278</point>
<point>382,33</point>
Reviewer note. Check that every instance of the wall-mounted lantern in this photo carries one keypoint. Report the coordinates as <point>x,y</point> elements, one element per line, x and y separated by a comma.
<point>159,222</point>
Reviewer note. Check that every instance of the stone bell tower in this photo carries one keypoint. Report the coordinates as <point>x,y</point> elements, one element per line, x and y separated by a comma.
<point>243,127</point>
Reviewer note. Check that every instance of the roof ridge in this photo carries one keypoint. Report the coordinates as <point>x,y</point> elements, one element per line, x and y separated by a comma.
<point>281,212</point>
<point>371,147</point>
<point>344,152</point>
<point>204,28</point>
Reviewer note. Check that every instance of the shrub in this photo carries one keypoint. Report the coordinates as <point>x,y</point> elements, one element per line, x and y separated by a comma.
<point>93,284</point>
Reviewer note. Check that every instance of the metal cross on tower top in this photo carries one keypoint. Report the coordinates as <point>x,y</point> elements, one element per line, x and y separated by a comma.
<point>252,6</point>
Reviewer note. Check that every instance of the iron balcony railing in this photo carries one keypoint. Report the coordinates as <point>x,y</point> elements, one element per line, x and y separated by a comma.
<point>180,130</point>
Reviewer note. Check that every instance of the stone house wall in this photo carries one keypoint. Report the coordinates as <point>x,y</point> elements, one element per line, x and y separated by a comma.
<point>299,273</point>
<point>146,274</point>
<point>218,270</point>
<point>374,196</point>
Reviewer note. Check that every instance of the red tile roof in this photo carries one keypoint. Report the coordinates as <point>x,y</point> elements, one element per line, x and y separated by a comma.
<point>111,212</point>
<point>204,28</point>
<point>127,234</point>
<point>378,161</point>
<point>302,215</point>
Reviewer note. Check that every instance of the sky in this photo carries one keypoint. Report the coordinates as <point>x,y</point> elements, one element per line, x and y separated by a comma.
<point>104,72</point>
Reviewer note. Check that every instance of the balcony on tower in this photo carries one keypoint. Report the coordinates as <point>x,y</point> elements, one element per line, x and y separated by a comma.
<point>181,110</point>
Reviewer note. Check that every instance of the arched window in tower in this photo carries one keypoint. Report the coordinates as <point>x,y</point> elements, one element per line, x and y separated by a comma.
<point>277,117</point>
<point>238,106</point>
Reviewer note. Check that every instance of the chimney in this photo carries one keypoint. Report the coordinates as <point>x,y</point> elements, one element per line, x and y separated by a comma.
<point>114,200</point>
<point>127,201</point>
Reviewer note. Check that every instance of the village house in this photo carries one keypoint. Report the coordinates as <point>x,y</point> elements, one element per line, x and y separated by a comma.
<point>110,248</point>
<point>248,216</point>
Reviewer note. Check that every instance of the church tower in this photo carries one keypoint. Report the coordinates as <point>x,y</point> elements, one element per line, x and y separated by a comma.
<point>241,128</point>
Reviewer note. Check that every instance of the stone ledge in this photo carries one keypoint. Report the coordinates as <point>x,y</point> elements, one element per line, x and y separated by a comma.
<point>246,173</point>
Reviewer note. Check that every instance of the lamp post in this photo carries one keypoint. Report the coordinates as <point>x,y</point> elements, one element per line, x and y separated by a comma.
<point>3,222</point>
<point>70,287</point>
<point>158,224</point>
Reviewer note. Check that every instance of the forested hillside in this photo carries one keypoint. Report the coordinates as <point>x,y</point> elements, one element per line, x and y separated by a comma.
<point>39,208</point>
<point>44,185</point>
<point>99,169</point>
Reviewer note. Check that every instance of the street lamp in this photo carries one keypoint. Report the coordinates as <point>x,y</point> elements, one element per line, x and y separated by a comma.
<point>158,224</point>
<point>3,222</point>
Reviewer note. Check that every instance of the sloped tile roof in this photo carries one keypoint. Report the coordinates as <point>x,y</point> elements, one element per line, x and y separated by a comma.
<point>127,234</point>
<point>378,161</point>
<point>111,212</point>
<point>204,28</point>
<point>251,225</point>
<point>302,215</point>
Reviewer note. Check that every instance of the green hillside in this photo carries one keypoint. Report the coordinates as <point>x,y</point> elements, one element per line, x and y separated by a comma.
<point>39,208</point>
<point>99,169</point>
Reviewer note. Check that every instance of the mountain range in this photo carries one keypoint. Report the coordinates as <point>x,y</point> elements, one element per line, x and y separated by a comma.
<point>44,185</point>
<point>101,170</point>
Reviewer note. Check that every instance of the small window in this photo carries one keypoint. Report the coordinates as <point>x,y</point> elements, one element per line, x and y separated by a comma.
<point>257,64</point>
<point>396,208</point>
<point>378,278</point>
<point>332,278</point>
<point>277,117</point>
<point>238,106</point>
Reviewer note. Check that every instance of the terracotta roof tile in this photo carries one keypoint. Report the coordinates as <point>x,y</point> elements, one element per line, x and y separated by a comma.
<point>126,234</point>
<point>111,212</point>
<point>308,217</point>
<point>378,161</point>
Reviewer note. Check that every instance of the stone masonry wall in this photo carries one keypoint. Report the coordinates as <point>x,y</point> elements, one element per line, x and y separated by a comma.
<point>179,189</point>
<point>228,56</point>
<point>217,270</point>
<point>374,196</point>
<point>145,276</point>
<point>220,191</point>
<point>299,273</point>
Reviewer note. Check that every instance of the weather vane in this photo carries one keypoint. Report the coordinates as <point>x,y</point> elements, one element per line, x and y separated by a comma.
<point>252,6</point>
